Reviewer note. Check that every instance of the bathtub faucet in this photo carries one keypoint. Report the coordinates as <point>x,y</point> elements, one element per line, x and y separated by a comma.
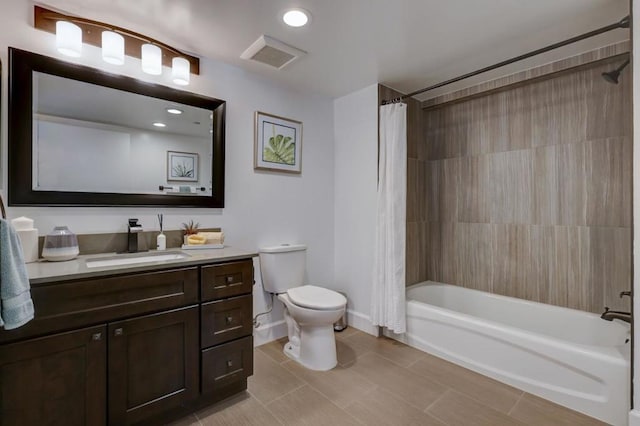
<point>611,315</point>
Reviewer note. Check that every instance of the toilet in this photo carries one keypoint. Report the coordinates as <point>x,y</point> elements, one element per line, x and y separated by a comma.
<point>310,311</point>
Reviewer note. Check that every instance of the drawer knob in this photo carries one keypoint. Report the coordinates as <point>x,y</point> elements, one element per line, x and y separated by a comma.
<point>229,363</point>
<point>96,336</point>
<point>118,332</point>
<point>229,319</point>
<point>229,279</point>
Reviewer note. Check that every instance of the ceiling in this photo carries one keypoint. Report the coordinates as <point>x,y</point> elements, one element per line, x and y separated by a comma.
<point>405,44</point>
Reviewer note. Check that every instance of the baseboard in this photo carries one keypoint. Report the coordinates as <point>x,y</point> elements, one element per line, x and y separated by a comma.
<point>269,332</point>
<point>634,418</point>
<point>362,322</point>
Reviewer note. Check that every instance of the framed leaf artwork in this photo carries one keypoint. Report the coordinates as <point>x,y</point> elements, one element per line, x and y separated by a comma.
<point>278,144</point>
<point>182,166</point>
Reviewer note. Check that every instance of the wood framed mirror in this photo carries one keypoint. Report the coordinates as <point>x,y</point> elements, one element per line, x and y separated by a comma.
<point>79,136</point>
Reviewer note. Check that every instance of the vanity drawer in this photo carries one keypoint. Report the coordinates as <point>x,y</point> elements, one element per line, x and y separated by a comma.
<point>227,280</point>
<point>227,364</point>
<point>73,304</point>
<point>226,320</point>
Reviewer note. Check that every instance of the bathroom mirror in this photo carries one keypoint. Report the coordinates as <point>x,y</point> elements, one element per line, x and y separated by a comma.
<point>79,136</point>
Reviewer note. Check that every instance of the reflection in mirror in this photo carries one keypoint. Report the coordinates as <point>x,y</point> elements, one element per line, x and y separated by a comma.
<point>79,136</point>
<point>89,138</point>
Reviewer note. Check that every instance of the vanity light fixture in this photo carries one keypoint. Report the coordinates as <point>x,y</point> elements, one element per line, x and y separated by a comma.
<point>174,111</point>
<point>159,124</point>
<point>112,48</point>
<point>71,32</point>
<point>68,39</point>
<point>296,17</point>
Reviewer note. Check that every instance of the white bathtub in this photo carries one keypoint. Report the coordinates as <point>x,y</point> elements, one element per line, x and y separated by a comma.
<point>571,357</point>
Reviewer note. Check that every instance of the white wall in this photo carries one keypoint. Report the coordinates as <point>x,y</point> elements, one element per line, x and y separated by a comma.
<point>261,208</point>
<point>356,162</point>
<point>75,155</point>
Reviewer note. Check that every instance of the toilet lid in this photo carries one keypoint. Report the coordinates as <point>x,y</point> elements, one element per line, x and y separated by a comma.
<point>310,296</point>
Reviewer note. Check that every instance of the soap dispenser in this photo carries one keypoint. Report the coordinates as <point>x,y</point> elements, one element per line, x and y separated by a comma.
<point>161,239</point>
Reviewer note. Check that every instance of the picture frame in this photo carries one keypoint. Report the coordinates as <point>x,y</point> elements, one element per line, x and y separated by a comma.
<point>182,166</point>
<point>278,143</point>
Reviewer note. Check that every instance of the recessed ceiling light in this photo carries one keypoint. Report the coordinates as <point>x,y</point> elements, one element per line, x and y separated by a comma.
<point>159,124</point>
<point>174,111</point>
<point>296,17</point>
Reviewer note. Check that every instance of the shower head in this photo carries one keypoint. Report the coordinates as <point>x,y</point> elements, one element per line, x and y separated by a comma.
<point>613,76</point>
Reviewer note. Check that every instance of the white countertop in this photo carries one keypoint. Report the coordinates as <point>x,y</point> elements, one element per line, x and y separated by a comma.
<point>44,272</point>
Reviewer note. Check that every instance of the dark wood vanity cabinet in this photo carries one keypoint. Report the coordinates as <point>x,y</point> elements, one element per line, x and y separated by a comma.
<point>55,380</point>
<point>153,364</point>
<point>152,346</point>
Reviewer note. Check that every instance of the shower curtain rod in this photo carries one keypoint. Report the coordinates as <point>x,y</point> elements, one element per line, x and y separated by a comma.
<point>623,23</point>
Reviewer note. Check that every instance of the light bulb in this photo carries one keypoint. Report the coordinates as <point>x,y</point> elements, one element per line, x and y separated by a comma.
<point>68,39</point>
<point>296,17</point>
<point>151,59</point>
<point>112,48</point>
<point>180,71</point>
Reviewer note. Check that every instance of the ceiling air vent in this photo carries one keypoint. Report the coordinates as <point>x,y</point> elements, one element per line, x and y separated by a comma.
<point>272,52</point>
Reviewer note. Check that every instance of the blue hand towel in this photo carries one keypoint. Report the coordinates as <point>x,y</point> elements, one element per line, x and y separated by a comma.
<point>16,306</point>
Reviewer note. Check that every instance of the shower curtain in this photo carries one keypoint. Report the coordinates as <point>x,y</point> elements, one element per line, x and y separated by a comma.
<point>388,292</point>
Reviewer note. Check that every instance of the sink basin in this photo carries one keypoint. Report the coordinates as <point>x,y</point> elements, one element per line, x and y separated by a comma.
<point>101,262</point>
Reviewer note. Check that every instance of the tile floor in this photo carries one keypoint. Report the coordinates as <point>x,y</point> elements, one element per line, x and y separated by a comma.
<point>378,382</point>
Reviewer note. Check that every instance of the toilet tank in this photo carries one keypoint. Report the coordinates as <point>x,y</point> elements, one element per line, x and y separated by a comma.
<point>282,267</point>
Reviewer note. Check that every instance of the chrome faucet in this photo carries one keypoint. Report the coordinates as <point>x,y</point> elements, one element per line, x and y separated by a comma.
<point>134,229</point>
<point>609,315</point>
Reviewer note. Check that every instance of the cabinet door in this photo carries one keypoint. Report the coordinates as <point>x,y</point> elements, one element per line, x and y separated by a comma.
<point>153,364</point>
<point>55,380</point>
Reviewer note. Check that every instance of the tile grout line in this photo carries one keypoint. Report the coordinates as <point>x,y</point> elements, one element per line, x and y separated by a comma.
<point>414,363</point>
<point>470,395</point>
<point>401,397</point>
<point>287,393</point>
<point>426,410</point>
<point>197,418</point>
<point>316,390</point>
<point>395,362</point>
<point>516,404</point>
<point>266,408</point>
<point>329,399</point>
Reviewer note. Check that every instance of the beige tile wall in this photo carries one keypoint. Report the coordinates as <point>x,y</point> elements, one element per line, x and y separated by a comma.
<point>526,192</point>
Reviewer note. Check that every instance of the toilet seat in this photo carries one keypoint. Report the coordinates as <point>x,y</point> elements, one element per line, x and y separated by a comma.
<point>313,297</point>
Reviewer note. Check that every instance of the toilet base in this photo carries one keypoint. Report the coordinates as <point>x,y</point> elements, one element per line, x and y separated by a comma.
<point>317,348</point>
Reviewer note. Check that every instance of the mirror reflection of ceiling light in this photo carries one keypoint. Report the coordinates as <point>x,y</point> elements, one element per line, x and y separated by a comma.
<point>296,17</point>
<point>175,111</point>
<point>159,124</point>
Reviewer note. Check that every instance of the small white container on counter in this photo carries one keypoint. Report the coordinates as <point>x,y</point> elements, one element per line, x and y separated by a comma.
<point>28,238</point>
